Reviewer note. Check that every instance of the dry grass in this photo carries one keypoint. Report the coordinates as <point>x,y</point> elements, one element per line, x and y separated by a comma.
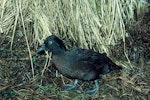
<point>96,24</point>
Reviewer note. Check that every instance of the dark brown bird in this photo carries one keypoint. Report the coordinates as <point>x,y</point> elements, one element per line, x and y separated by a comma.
<point>78,63</point>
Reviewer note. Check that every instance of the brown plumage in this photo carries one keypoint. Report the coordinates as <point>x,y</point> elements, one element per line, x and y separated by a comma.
<point>78,63</point>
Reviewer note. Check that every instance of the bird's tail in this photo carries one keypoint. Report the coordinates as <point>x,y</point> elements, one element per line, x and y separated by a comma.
<point>115,67</point>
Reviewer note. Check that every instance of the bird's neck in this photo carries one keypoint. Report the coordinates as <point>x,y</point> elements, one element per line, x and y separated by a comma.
<point>57,51</point>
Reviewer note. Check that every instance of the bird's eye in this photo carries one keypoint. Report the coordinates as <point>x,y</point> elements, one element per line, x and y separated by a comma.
<point>50,42</point>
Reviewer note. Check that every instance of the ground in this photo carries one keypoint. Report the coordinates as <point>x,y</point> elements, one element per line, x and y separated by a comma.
<point>16,80</point>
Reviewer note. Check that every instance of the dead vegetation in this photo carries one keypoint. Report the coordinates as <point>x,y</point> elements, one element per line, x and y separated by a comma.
<point>118,28</point>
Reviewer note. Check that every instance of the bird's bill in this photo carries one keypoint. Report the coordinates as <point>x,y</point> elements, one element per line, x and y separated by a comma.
<point>41,49</point>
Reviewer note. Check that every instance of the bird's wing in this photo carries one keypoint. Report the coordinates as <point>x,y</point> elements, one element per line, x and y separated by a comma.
<point>89,59</point>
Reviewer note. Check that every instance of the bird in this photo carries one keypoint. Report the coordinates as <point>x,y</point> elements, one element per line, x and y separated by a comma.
<point>78,63</point>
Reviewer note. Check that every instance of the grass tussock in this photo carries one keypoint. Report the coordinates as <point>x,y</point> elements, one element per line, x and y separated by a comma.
<point>109,26</point>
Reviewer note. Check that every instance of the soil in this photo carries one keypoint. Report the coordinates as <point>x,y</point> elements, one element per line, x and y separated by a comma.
<point>15,68</point>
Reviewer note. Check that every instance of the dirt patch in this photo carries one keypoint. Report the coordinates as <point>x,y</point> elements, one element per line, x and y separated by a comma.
<point>16,75</point>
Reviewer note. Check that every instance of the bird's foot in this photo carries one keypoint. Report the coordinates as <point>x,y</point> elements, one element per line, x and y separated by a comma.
<point>94,90</point>
<point>71,86</point>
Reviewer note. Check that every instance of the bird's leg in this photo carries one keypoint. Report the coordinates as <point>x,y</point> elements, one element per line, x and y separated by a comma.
<point>94,90</point>
<point>71,86</point>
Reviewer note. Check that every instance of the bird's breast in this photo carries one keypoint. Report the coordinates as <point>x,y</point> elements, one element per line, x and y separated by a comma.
<point>62,65</point>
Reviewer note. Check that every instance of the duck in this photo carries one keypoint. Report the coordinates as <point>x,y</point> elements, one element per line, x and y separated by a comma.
<point>78,63</point>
